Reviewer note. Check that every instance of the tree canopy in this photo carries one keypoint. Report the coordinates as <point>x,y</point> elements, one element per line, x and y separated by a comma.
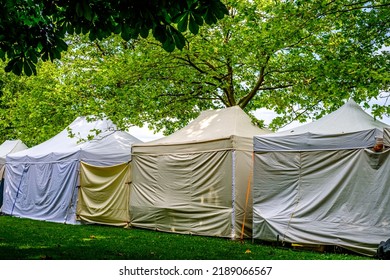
<point>32,30</point>
<point>301,59</point>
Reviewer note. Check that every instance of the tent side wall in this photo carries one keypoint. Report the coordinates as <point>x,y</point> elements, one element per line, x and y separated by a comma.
<point>193,188</point>
<point>104,194</point>
<point>323,197</point>
<point>184,193</point>
<point>49,199</point>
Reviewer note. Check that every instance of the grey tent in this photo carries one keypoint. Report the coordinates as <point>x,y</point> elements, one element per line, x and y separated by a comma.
<point>195,181</point>
<point>8,147</point>
<point>322,183</point>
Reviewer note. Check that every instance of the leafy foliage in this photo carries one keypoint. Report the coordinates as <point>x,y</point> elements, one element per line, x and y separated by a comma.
<point>32,29</point>
<point>301,59</point>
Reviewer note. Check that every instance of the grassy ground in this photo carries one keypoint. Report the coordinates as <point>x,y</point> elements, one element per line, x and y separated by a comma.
<point>24,239</point>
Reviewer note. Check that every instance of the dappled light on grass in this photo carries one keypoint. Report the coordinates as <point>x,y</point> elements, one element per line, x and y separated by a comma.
<point>23,239</point>
<point>94,237</point>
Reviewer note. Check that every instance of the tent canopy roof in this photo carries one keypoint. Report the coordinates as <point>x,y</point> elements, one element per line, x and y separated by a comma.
<point>348,118</point>
<point>107,141</point>
<point>213,125</point>
<point>346,128</point>
<point>10,146</point>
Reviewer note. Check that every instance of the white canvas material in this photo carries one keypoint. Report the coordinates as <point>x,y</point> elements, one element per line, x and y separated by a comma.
<point>42,182</point>
<point>322,183</point>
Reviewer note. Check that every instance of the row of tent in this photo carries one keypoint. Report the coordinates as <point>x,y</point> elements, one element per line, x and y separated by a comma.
<point>320,183</point>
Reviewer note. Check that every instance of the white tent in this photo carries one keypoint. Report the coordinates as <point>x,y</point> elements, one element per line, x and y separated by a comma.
<point>42,182</point>
<point>8,147</point>
<point>322,183</point>
<point>195,181</point>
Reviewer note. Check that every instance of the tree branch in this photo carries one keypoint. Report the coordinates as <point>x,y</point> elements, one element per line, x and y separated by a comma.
<point>245,100</point>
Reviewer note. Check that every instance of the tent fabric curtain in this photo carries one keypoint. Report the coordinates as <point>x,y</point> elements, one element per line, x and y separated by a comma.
<point>195,180</point>
<point>104,194</point>
<point>51,198</point>
<point>323,183</point>
<point>183,193</point>
<point>322,197</point>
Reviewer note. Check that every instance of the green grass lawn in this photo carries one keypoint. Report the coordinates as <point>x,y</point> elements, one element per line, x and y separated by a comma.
<point>24,239</point>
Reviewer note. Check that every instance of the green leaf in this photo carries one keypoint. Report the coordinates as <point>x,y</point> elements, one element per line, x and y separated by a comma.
<point>178,17</point>
<point>10,65</point>
<point>62,45</point>
<point>33,56</point>
<point>70,28</point>
<point>193,26</point>
<point>159,32</point>
<point>169,44</point>
<point>87,11</point>
<point>198,19</point>
<point>179,40</point>
<point>92,35</point>
<point>56,53</point>
<point>183,23</point>
<point>220,11</point>
<point>210,18</point>
<point>17,68</point>
<point>27,68</point>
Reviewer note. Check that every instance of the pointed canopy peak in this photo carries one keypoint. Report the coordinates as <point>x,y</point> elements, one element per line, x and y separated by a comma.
<point>71,138</point>
<point>348,118</point>
<point>215,124</point>
<point>11,146</point>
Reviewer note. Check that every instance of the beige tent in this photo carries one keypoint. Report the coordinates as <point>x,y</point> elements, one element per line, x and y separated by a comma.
<point>196,180</point>
<point>104,194</point>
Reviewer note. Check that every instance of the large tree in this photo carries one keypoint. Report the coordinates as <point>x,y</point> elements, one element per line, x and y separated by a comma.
<point>32,30</point>
<point>300,59</point>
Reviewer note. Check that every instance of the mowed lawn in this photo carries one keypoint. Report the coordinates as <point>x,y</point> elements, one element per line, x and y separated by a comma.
<point>25,239</point>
